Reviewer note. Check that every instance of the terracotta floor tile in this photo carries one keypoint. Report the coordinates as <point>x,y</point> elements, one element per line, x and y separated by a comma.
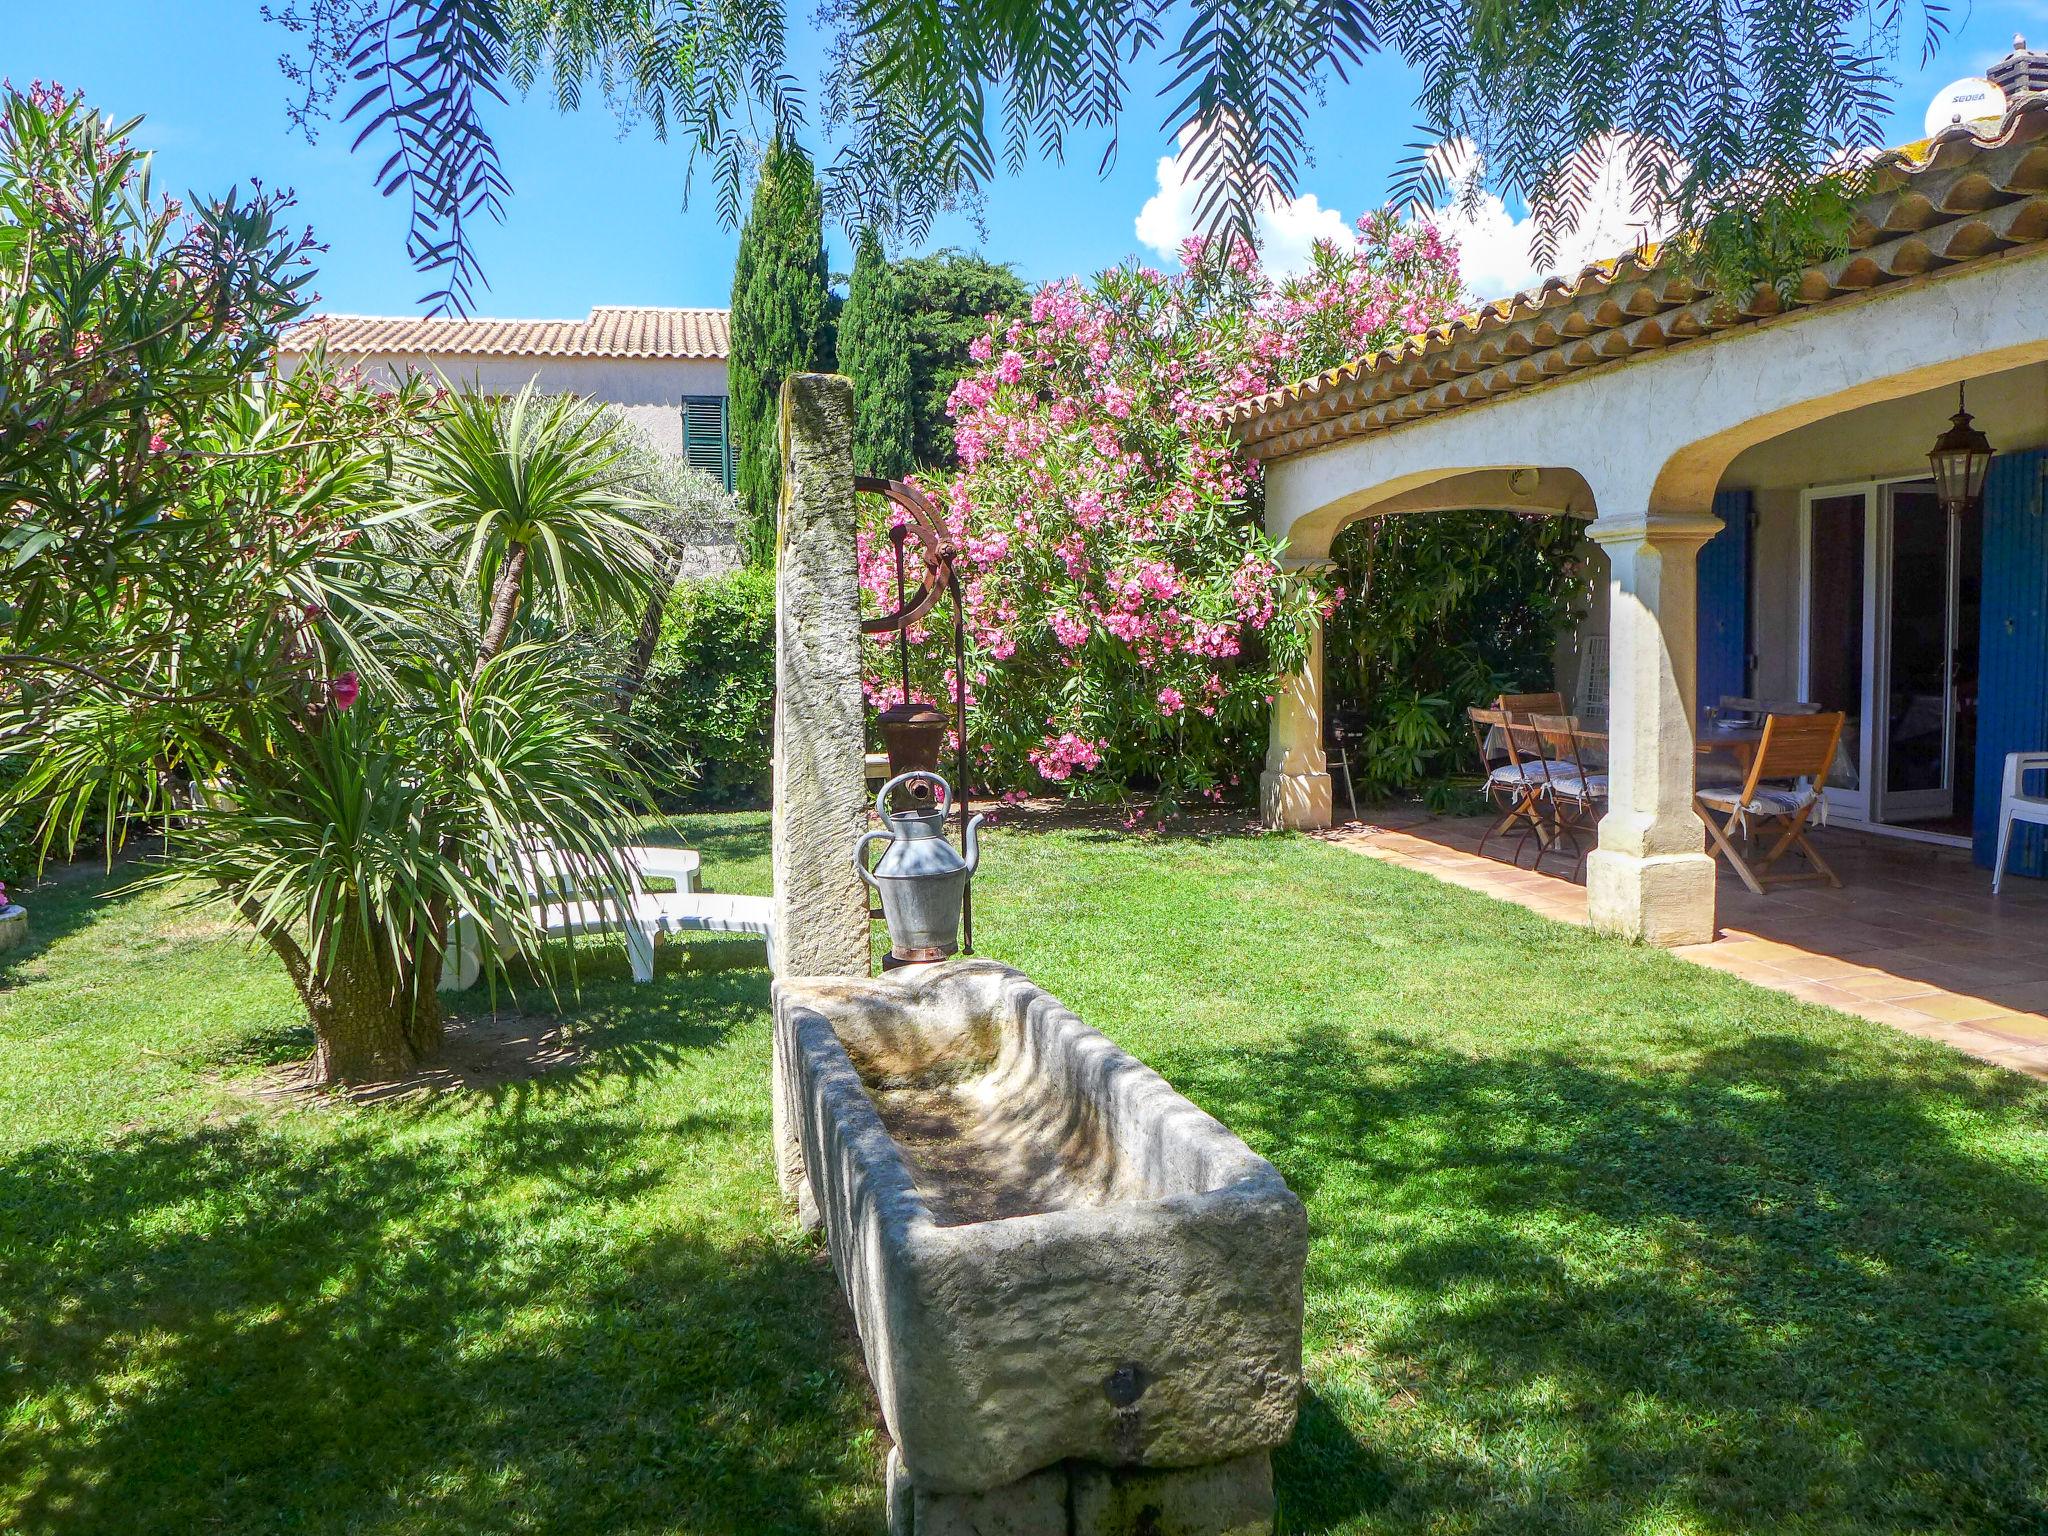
<point>1806,966</point>
<point>1953,1008</point>
<point>2030,1027</point>
<point>1884,988</point>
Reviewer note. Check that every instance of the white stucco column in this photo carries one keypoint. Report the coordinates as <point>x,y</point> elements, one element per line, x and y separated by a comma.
<point>1651,877</point>
<point>1294,791</point>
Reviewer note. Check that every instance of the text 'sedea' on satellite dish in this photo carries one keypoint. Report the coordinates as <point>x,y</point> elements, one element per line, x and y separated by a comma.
<point>1967,101</point>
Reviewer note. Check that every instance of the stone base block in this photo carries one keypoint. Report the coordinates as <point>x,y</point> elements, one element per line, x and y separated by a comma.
<point>13,928</point>
<point>1665,899</point>
<point>1031,1506</point>
<point>1225,1498</point>
<point>1294,802</point>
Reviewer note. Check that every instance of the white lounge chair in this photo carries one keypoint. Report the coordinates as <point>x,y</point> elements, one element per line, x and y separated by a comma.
<point>647,916</point>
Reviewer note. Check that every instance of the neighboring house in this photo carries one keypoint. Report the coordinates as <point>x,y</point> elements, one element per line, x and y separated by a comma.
<point>1756,478</point>
<point>664,370</point>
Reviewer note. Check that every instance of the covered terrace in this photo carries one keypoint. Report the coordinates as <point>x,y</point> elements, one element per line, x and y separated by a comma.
<point>1672,420</point>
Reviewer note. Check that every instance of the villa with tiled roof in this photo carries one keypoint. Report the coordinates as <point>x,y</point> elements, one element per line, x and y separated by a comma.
<point>1767,519</point>
<point>663,369</point>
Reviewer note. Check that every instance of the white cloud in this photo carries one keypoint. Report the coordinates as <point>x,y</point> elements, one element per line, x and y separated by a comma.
<point>1494,246</point>
<point>1287,231</point>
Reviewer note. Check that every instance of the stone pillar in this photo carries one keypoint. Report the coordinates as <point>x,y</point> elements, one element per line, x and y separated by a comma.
<point>1651,877</point>
<point>821,907</point>
<point>1294,791</point>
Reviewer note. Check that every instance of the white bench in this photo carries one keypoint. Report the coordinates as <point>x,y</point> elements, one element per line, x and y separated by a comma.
<point>647,915</point>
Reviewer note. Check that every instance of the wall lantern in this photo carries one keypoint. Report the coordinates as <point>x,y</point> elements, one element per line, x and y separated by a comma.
<point>1959,458</point>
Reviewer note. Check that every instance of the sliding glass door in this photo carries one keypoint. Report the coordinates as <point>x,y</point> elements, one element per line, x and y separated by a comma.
<point>1880,599</point>
<point>1914,712</point>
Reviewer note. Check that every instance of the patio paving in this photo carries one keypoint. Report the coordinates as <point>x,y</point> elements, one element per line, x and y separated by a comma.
<point>1914,939</point>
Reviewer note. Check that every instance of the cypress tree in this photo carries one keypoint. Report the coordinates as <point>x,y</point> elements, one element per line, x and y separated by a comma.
<point>874,351</point>
<point>778,324</point>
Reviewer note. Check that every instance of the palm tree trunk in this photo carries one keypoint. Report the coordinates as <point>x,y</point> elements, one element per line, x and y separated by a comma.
<point>504,604</point>
<point>422,987</point>
<point>642,655</point>
<point>360,1019</point>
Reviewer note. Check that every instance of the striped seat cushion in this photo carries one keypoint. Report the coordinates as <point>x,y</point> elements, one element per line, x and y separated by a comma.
<point>1590,786</point>
<point>1766,800</point>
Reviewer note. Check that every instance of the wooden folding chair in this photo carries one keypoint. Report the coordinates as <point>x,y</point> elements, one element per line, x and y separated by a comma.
<point>1515,780</point>
<point>1779,794</point>
<point>1576,791</point>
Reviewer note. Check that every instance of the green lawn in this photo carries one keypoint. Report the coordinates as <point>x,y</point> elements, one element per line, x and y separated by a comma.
<point>1601,1242</point>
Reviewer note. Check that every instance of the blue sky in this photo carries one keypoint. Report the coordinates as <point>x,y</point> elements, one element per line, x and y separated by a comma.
<point>599,219</point>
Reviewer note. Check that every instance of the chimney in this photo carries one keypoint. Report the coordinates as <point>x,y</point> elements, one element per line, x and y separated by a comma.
<point>2024,69</point>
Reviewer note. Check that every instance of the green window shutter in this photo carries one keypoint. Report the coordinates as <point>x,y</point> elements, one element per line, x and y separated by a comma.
<point>706,444</point>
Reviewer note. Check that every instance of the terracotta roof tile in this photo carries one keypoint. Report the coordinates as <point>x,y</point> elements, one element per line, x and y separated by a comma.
<point>615,331</point>
<point>1971,191</point>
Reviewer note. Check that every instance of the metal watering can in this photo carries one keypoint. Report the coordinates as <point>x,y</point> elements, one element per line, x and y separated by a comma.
<point>921,876</point>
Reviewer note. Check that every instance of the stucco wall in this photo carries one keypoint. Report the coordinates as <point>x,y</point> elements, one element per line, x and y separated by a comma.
<point>649,392</point>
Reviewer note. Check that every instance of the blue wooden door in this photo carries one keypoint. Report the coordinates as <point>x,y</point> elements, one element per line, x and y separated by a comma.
<point>1724,602</point>
<point>2012,653</point>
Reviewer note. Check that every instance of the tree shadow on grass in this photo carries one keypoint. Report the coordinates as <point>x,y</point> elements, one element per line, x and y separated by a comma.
<point>237,1331</point>
<point>1770,1287</point>
<point>632,1031</point>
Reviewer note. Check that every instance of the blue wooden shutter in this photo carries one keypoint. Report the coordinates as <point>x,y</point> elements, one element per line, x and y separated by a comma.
<point>1724,602</point>
<point>2012,653</point>
<point>705,442</point>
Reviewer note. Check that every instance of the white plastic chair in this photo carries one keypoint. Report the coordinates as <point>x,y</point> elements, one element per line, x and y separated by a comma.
<point>2014,804</point>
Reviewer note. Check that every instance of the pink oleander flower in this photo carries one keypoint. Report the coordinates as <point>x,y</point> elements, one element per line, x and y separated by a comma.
<point>1111,562</point>
<point>1066,753</point>
<point>344,690</point>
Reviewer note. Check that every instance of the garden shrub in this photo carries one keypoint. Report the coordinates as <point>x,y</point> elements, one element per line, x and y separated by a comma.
<point>1128,616</point>
<point>706,714</point>
<point>1443,611</point>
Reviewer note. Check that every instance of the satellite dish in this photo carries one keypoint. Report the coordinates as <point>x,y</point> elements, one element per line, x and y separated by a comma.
<point>1967,101</point>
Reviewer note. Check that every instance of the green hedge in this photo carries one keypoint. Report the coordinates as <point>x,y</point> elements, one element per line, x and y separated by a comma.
<point>709,698</point>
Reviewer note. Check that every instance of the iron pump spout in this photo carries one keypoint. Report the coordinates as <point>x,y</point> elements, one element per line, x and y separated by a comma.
<point>973,842</point>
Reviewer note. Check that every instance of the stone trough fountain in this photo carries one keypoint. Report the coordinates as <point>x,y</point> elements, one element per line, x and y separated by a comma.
<point>1079,1296</point>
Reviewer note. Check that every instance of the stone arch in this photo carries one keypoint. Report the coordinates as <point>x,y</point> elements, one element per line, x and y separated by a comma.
<point>1691,473</point>
<point>1552,489</point>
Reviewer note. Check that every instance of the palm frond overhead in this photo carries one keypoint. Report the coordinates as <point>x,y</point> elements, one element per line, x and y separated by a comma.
<point>1723,105</point>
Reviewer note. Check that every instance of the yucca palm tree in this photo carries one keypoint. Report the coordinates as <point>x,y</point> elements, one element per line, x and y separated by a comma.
<point>543,495</point>
<point>379,739</point>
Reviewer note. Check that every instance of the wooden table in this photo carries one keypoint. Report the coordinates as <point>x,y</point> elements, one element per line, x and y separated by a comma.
<point>1741,741</point>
